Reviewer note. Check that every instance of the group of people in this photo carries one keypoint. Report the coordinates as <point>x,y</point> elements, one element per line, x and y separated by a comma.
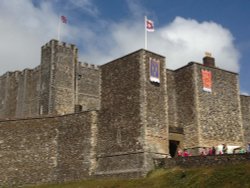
<point>209,151</point>
<point>222,149</point>
<point>184,153</point>
<point>219,150</point>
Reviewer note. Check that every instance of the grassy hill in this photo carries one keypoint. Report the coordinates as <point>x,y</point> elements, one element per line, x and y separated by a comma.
<point>223,176</point>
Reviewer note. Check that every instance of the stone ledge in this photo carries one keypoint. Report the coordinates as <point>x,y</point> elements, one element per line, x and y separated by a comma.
<point>198,161</point>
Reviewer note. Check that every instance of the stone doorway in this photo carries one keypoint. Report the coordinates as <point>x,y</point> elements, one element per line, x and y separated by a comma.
<point>173,146</point>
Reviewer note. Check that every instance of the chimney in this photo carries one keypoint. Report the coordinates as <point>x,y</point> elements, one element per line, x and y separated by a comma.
<point>208,60</point>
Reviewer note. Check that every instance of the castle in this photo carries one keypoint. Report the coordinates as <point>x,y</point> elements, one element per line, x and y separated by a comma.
<point>65,120</point>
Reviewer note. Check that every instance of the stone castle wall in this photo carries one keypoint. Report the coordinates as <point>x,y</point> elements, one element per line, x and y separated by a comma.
<point>51,149</point>
<point>245,109</point>
<point>88,86</point>
<point>56,87</point>
<point>154,110</point>
<point>28,93</point>
<point>9,87</point>
<point>171,93</point>
<point>120,135</point>
<point>207,118</point>
<point>202,161</point>
<point>186,104</point>
<point>133,116</point>
<point>3,95</point>
<point>219,111</point>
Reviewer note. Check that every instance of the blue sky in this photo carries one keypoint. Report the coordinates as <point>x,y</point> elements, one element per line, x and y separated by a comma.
<point>107,29</point>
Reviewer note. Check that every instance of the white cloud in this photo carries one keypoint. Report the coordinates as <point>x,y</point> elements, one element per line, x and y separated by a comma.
<point>245,93</point>
<point>86,5</point>
<point>181,41</point>
<point>26,28</point>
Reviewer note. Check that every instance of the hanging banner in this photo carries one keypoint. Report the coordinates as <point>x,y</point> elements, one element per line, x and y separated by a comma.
<point>154,70</point>
<point>207,80</point>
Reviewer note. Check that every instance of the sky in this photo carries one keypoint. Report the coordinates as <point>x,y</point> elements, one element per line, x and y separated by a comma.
<point>107,29</point>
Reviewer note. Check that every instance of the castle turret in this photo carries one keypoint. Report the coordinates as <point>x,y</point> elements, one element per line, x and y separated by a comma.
<point>208,105</point>
<point>57,87</point>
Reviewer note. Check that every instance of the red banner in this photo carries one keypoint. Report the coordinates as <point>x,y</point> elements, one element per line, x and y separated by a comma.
<point>207,80</point>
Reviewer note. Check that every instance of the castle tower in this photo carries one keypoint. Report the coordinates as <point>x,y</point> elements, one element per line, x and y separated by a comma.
<point>133,127</point>
<point>8,95</point>
<point>57,87</point>
<point>208,105</point>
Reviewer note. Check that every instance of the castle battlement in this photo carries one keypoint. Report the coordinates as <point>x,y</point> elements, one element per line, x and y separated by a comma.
<point>37,68</point>
<point>55,42</point>
<point>13,73</point>
<point>88,65</point>
<point>18,72</point>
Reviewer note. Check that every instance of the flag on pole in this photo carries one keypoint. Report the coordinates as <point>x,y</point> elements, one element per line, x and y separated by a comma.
<point>64,19</point>
<point>149,25</point>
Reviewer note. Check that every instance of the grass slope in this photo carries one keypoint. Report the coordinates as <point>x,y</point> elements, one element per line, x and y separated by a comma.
<point>236,176</point>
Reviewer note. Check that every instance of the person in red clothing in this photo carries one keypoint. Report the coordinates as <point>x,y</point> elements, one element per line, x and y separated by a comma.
<point>179,153</point>
<point>210,151</point>
<point>185,153</point>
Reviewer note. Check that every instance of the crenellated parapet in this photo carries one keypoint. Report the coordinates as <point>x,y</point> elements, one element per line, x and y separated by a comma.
<point>56,43</point>
<point>19,73</point>
<point>88,65</point>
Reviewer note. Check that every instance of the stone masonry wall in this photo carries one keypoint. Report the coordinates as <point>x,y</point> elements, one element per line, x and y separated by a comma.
<point>154,110</point>
<point>76,149</point>
<point>34,92</point>
<point>120,133</point>
<point>28,93</point>
<point>45,83</point>
<point>11,90</point>
<point>88,86</point>
<point>172,108</point>
<point>46,150</point>
<point>62,86</point>
<point>19,94</point>
<point>202,161</point>
<point>3,92</point>
<point>186,104</point>
<point>219,111</point>
<point>21,91</point>
<point>245,109</point>
<point>58,69</point>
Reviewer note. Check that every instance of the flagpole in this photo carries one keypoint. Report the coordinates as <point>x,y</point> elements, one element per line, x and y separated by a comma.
<point>145,28</point>
<point>59,28</point>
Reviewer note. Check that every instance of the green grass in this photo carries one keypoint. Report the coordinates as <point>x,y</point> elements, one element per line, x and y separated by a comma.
<point>236,176</point>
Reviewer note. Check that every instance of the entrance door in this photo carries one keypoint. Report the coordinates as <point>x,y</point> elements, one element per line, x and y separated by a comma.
<point>173,145</point>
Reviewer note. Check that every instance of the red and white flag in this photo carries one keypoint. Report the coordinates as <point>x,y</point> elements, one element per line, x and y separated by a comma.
<point>64,19</point>
<point>149,25</point>
<point>61,19</point>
